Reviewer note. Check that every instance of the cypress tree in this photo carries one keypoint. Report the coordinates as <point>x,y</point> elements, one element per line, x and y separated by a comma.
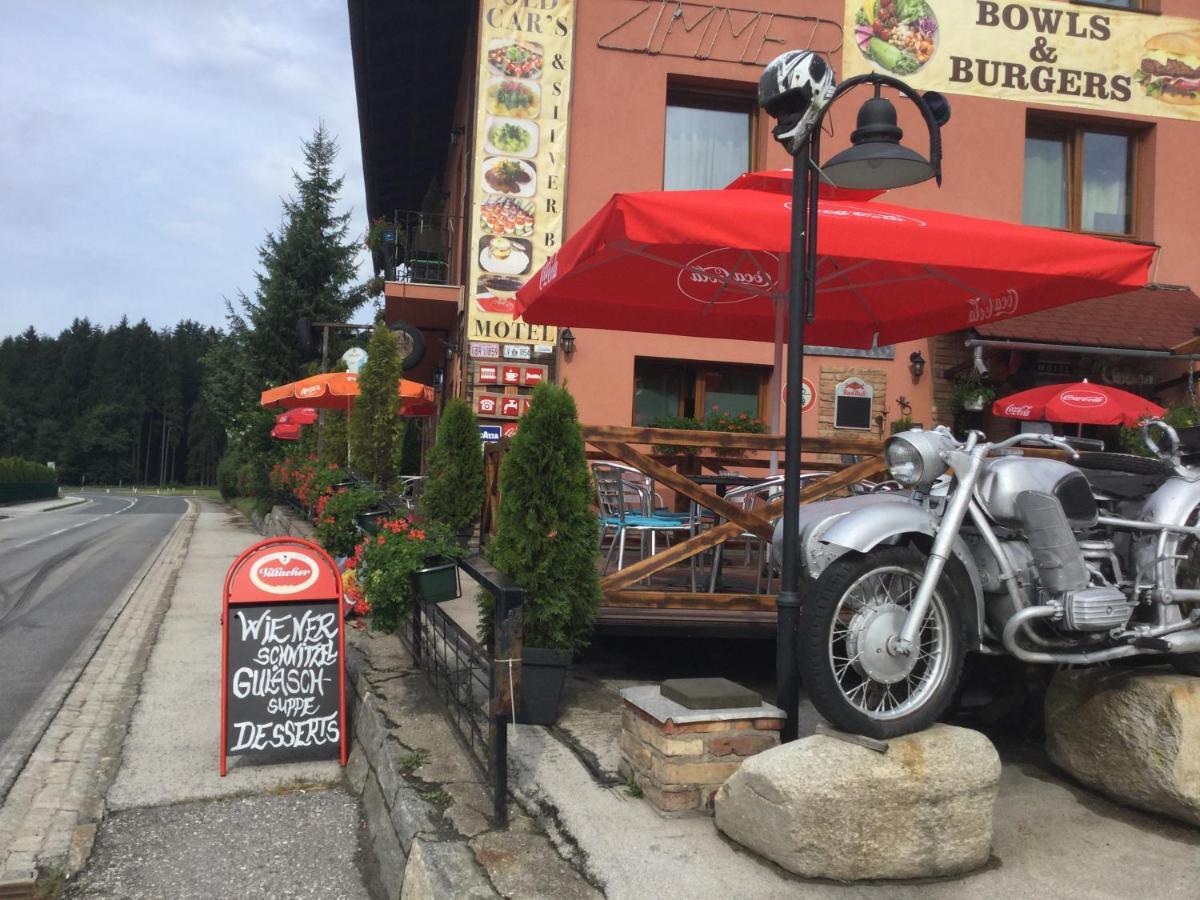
<point>547,532</point>
<point>454,481</point>
<point>373,430</point>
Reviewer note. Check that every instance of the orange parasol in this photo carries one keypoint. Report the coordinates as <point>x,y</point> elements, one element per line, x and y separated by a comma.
<point>337,390</point>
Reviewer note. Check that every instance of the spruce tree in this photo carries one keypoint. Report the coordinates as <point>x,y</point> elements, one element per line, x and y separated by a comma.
<point>454,480</point>
<point>308,269</point>
<point>547,532</point>
<point>373,430</point>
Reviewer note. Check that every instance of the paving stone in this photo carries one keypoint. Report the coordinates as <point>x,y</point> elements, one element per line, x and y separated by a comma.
<point>411,815</point>
<point>526,865</point>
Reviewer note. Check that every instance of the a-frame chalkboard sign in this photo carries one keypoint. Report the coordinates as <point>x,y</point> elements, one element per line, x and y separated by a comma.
<point>283,652</point>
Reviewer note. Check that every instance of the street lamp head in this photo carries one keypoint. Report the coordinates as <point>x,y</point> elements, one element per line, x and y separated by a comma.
<point>877,160</point>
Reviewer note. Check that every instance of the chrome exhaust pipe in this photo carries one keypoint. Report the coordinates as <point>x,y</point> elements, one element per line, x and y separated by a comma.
<point>1184,642</point>
<point>1022,618</point>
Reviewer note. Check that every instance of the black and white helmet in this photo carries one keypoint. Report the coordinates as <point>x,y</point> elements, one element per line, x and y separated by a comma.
<point>794,88</point>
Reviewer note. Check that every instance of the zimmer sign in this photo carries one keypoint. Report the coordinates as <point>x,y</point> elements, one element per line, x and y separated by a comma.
<point>519,161</point>
<point>1047,52</point>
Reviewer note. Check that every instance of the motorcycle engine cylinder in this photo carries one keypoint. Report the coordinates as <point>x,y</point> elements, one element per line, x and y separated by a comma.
<point>1055,551</point>
<point>1100,608</point>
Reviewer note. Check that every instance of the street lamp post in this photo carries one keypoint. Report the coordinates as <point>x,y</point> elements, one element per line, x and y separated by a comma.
<point>876,160</point>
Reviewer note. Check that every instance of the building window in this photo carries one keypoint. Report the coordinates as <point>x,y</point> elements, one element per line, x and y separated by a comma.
<point>1079,178</point>
<point>663,388</point>
<point>708,139</point>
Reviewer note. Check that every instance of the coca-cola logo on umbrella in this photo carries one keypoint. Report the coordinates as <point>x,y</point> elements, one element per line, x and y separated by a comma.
<point>727,275</point>
<point>1083,399</point>
<point>284,573</point>
<point>1023,412</point>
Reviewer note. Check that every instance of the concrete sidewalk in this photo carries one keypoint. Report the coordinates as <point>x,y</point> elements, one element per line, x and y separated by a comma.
<point>15,510</point>
<point>1052,837</point>
<point>177,828</point>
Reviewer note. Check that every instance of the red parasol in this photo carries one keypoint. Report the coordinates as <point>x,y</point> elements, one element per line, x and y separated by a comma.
<point>1078,403</point>
<point>711,263</point>
<point>304,415</point>
<point>286,431</point>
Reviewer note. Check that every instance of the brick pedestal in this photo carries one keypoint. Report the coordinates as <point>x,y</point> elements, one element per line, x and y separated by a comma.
<point>680,756</point>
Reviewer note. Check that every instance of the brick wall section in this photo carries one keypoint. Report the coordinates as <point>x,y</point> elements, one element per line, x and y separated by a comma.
<point>948,351</point>
<point>680,767</point>
<point>830,377</point>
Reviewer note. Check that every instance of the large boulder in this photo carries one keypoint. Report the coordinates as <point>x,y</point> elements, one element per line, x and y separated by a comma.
<point>1133,735</point>
<point>826,808</point>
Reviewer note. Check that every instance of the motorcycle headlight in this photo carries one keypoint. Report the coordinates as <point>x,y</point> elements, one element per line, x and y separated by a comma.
<point>914,457</point>
<point>904,462</point>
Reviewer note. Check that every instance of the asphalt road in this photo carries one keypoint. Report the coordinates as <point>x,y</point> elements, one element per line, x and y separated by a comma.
<point>60,572</point>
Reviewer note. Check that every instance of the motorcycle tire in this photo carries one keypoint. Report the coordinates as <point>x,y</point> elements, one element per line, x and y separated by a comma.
<point>1186,663</point>
<point>819,642</point>
<point>1122,462</point>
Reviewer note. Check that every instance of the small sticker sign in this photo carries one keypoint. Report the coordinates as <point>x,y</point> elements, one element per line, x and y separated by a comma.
<point>487,405</point>
<point>517,351</point>
<point>533,375</point>
<point>488,374</point>
<point>483,350</point>
<point>511,375</point>
<point>510,406</point>
<point>489,434</point>
<point>509,429</point>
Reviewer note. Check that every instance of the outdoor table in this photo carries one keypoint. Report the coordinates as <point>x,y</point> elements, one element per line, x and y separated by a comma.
<point>722,483</point>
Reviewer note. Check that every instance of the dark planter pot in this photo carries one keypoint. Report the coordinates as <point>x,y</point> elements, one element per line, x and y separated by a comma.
<point>369,521</point>
<point>438,581</point>
<point>464,536</point>
<point>543,673</point>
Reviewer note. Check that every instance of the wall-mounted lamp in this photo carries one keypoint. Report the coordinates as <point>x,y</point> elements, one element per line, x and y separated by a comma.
<point>450,350</point>
<point>917,364</point>
<point>439,376</point>
<point>567,340</point>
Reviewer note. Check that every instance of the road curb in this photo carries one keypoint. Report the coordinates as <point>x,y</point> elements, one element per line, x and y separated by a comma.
<point>57,791</point>
<point>70,501</point>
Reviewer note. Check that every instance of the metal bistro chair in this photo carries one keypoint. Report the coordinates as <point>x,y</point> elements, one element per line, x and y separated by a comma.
<point>626,506</point>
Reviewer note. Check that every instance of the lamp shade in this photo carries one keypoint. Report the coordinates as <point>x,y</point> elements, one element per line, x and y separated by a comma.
<point>878,160</point>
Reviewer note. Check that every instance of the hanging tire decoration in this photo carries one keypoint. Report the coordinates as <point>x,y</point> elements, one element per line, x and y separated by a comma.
<point>412,344</point>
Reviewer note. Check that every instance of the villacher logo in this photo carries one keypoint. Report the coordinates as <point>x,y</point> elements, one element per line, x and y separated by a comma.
<point>284,573</point>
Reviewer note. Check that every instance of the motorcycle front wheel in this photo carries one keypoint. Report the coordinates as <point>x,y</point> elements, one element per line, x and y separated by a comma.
<point>854,608</point>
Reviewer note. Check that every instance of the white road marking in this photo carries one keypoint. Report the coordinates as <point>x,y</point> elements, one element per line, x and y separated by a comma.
<point>132,503</point>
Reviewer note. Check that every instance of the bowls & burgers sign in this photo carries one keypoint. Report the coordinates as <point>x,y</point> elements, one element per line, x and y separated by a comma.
<point>1088,56</point>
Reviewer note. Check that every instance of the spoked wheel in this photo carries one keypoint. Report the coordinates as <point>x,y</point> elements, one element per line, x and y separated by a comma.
<point>1187,575</point>
<point>851,618</point>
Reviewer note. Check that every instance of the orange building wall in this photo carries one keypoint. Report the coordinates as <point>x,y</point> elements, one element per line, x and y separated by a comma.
<point>617,123</point>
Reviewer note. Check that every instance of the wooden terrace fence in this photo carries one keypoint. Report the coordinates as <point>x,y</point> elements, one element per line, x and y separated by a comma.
<point>624,604</point>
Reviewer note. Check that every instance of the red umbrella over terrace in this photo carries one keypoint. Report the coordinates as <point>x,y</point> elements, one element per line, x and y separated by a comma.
<point>714,264</point>
<point>1078,403</point>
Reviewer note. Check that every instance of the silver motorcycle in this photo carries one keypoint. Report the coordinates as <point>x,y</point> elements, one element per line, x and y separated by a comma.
<point>993,550</point>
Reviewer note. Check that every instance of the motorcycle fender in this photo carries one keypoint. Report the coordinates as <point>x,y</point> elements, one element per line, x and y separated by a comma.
<point>866,528</point>
<point>1172,504</point>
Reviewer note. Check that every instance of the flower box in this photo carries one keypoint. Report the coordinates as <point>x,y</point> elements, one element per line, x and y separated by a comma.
<point>437,581</point>
<point>369,521</point>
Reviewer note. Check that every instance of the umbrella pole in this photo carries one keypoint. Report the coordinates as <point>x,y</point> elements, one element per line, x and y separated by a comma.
<point>776,381</point>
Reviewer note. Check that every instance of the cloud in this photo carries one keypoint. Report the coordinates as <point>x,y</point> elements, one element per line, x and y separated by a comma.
<point>147,146</point>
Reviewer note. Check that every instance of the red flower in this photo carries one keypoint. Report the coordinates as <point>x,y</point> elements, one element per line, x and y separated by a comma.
<point>381,540</point>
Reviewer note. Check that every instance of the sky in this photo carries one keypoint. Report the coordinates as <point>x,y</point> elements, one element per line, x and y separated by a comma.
<point>146,145</point>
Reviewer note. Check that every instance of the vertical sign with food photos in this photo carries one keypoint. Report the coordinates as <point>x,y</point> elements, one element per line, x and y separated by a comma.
<point>520,160</point>
<point>1083,55</point>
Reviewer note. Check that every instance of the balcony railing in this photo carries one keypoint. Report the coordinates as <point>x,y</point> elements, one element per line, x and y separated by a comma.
<point>420,247</point>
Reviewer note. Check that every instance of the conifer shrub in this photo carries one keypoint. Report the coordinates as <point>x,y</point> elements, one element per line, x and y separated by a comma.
<point>547,532</point>
<point>454,479</point>
<point>373,429</point>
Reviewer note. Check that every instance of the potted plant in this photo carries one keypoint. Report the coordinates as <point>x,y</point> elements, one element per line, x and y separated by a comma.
<point>971,394</point>
<point>337,517</point>
<point>904,423</point>
<point>546,538</point>
<point>405,559</point>
<point>454,481</point>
